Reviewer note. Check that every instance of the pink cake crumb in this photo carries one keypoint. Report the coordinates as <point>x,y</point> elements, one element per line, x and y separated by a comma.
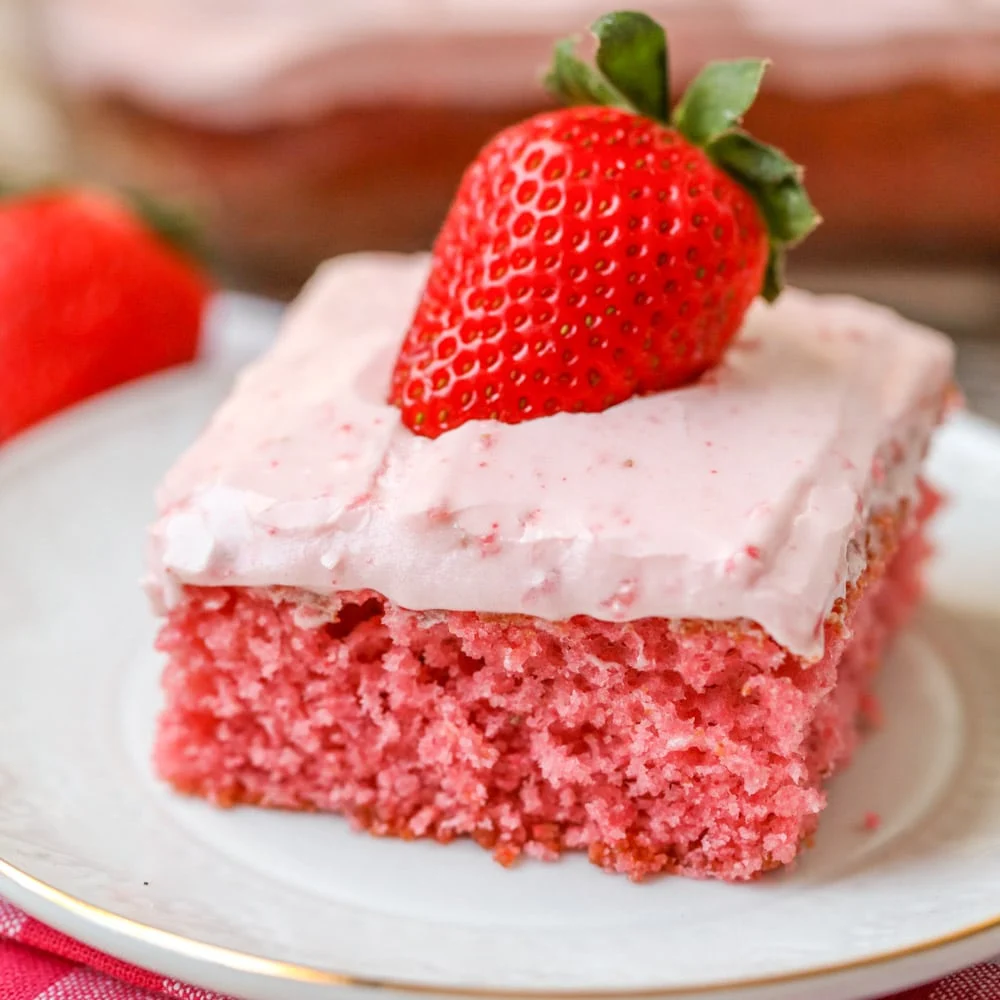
<point>654,745</point>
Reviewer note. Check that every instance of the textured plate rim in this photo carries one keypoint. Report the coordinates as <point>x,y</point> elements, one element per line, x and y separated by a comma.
<point>244,962</point>
<point>26,447</point>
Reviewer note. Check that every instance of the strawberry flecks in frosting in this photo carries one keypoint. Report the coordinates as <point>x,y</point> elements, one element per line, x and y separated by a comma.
<point>802,405</point>
<point>542,585</point>
<point>622,599</point>
<point>439,515</point>
<point>490,544</point>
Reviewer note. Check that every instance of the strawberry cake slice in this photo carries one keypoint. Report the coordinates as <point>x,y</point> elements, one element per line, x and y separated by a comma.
<point>554,538</point>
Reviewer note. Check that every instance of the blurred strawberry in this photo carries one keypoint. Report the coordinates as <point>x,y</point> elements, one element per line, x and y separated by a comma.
<point>90,296</point>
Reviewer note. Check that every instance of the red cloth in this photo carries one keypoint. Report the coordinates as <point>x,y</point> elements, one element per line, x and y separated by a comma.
<point>38,963</point>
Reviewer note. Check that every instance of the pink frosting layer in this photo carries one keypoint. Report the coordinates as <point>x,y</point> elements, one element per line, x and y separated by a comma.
<point>242,64</point>
<point>744,495</point>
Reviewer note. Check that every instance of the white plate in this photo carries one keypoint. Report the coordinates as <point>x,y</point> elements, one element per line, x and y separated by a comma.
<point>279,906</point>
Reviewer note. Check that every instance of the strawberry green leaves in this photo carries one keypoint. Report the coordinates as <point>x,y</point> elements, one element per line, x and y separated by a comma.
<point>776,184</point>
<point>632,54</point>
<point>631,71</point>
<point>719,97</point>
<point>574,82</point>
<point>173,225</point>
<point>774,180</point>
<point>709,115</point>
<point>631,74</point>
<point>745,156</point>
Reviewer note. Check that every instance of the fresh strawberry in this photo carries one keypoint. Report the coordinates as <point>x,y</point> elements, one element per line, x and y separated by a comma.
<point>89,297</point>
<point>599,252</point>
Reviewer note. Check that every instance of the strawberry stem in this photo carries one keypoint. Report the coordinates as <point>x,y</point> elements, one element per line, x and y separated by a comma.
<point>171,224</point>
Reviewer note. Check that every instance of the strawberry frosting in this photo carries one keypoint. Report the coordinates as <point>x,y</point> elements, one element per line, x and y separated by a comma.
<point>745,495</point>
<point>252,63</point>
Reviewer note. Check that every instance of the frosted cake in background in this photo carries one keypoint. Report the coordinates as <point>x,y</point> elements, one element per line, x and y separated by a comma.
<point>299,129</point>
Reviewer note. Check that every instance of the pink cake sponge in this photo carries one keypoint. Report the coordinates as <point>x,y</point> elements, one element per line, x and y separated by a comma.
<point>656,745</point>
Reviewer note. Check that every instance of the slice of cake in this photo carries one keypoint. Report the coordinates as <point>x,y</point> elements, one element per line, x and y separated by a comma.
<point>647,632</point>
<point>547,540</point>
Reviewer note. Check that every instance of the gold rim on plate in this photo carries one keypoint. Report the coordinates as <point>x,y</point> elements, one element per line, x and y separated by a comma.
<point>238,961</point>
